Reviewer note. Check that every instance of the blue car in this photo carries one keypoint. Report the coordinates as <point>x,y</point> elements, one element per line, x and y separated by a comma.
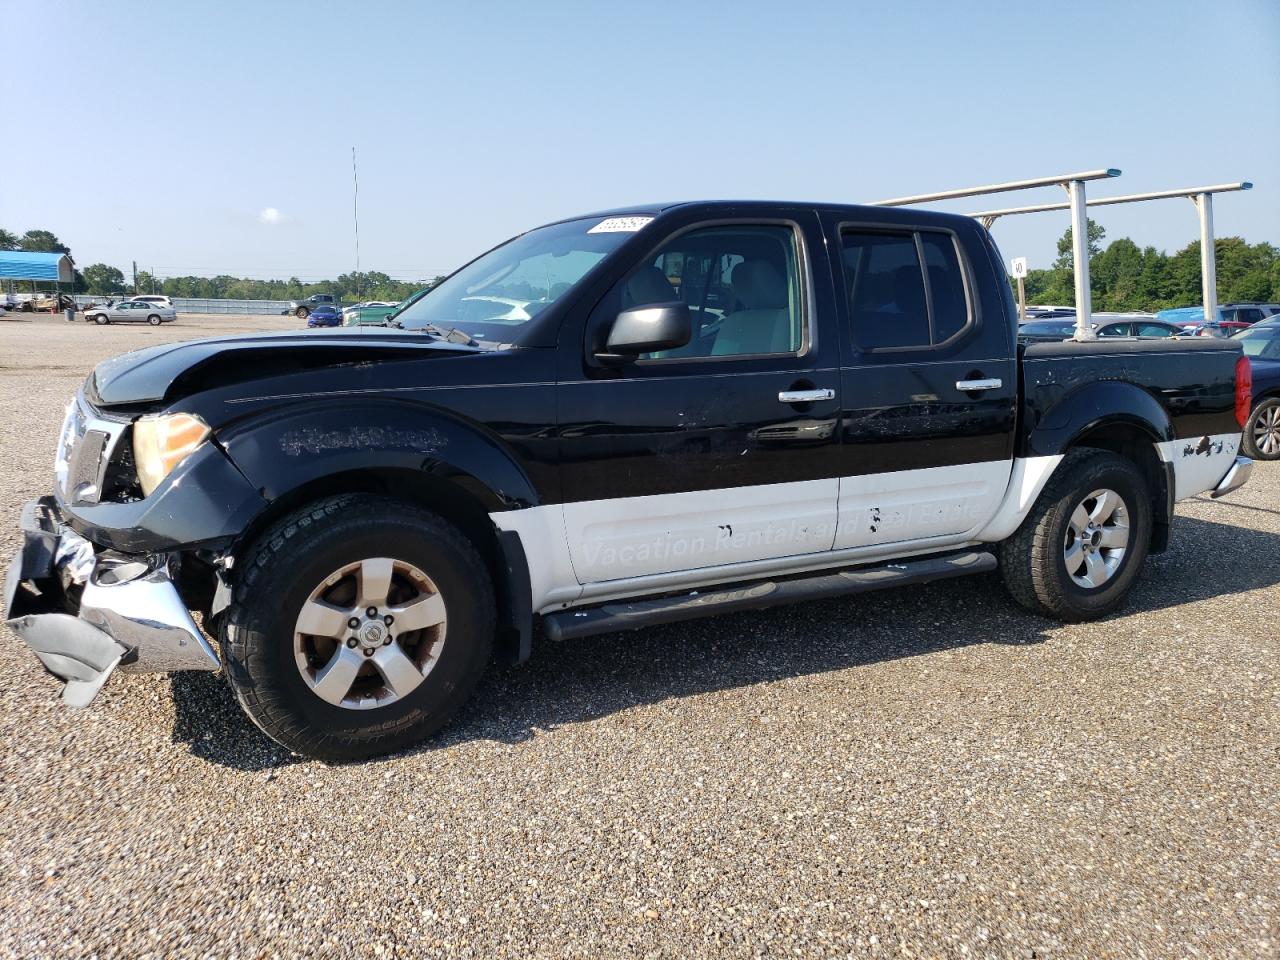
<point>1186,315</point>
<point>324,315</point>
<point>1261,344</point>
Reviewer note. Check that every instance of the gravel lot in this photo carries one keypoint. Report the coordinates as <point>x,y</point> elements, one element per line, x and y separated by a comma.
<point>922,772</point>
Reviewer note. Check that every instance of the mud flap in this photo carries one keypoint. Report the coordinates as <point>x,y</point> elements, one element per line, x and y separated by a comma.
<point>72,650</point>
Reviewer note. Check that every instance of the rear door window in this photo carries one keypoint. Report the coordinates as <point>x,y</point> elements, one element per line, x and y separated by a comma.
<point>906,291</point>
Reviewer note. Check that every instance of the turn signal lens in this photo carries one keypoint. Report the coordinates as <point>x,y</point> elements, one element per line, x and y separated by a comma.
<point>1244,390</point>
<point>161,443</point>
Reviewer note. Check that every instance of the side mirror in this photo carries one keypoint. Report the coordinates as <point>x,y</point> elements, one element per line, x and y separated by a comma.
<point>645,329</point>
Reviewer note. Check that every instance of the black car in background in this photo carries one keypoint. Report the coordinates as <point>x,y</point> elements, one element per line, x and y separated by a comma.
<point>1045,331</point>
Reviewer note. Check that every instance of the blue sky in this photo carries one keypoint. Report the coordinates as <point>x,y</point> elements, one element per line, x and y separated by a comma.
<point>474,121</point>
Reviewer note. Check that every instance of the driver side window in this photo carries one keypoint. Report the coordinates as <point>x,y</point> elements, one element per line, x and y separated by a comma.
<point>741,284</point>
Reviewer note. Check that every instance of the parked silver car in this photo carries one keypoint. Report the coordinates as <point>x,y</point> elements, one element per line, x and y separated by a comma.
<point>132,311</point>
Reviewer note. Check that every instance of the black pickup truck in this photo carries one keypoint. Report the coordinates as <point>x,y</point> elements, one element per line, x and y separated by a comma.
<point>607,422</point>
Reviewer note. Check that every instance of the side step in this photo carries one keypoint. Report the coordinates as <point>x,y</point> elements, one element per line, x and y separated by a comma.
<point>634,614</point>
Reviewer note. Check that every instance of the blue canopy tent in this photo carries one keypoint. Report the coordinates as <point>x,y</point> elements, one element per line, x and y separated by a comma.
<point>21,265</point>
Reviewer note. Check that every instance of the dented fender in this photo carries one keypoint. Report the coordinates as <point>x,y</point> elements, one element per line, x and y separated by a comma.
<point>289,447</point>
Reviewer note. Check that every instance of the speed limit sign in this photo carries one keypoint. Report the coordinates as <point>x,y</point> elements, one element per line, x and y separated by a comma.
<point>1019,267</point>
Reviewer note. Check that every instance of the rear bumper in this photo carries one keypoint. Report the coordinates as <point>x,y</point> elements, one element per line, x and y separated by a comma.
<point>1235,478</point>
<point>85,613</point>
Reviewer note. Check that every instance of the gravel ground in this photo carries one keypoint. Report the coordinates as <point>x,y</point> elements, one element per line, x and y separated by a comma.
<point>923,772</point>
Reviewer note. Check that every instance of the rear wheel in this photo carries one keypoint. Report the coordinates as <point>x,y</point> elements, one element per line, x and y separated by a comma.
<point>302,313</point>
<point>1080,550</point>
<point>1262,431</point>
<point>359,626</point>
<point>153,320</point>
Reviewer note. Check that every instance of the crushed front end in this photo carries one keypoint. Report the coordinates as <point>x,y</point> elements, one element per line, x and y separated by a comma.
<point>102,578</point>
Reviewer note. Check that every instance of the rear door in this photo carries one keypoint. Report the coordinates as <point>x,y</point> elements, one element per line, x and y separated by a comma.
<point>928,382</point>
<point>723,451</point>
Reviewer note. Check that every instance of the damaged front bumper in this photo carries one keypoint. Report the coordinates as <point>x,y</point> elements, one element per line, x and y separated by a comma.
<point>84,613</point>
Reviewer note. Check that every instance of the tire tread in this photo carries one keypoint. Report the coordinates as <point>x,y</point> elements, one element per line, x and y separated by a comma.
<point>276,546</point>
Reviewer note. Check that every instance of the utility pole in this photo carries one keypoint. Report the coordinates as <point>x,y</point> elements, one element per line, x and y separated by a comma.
<point>135,278</point>
<point>355,214</point>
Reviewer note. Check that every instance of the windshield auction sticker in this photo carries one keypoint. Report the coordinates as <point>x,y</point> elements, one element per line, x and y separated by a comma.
<point>620,225</point>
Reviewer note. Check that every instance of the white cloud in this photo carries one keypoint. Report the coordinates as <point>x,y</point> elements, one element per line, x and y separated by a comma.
<point>270,216</point>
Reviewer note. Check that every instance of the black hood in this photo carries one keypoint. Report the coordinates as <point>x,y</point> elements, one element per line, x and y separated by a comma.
<point>172,370</point>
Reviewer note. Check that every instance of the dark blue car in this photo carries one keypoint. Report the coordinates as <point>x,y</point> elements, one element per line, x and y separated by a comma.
<point>325,315</point>
<point>1261,344</point>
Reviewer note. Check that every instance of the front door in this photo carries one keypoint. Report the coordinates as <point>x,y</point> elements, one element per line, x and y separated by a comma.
<point>928,386</point>
<point>721,451</point>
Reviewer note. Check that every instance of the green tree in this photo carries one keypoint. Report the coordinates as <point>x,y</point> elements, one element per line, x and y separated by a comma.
<point>102,279</point>
<point>1066,258</point>
<point>8,241</point>
<point>42,241</point>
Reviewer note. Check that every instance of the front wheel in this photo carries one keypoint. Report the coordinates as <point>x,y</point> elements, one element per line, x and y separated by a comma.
<point>101,320</point>
<point>1262,431</point>
<point>358,627</point>
<point>1080,550</point>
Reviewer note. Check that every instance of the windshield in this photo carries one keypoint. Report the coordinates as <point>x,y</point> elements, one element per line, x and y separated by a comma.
<point>1264,344</point>
<point>496,296</point>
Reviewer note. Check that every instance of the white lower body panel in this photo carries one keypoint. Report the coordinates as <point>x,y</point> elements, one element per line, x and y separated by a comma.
<point>1199,463</point>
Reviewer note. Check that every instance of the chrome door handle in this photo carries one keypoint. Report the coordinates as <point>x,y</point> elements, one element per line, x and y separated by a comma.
<point>806,396</point>
<point>972,386</point>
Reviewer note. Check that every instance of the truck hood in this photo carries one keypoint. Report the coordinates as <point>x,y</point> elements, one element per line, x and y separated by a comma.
<point>172,370</point>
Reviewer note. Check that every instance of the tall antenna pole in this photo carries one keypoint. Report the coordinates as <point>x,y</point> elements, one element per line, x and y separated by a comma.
<point>355,214</point>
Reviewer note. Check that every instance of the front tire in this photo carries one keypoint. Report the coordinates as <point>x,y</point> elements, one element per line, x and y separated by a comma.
<point>1262,431</point>
<point>101,320</point>
<point>358,627</point>
<point>1079,552</point>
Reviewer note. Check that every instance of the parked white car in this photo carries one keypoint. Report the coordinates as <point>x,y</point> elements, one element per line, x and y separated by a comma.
<point>132,311</point>
<point>158,300</point>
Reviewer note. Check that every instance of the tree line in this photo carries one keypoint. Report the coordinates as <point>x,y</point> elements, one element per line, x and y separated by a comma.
<point>1123,277</point>
<point>101,279</point>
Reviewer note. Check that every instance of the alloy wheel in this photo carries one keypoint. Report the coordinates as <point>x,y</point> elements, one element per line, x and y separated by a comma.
<point>1096,539</point>
<point>1266,431</point>
<point>369,633</point>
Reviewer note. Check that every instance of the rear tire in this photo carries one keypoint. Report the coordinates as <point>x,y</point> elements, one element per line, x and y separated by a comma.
<point>1262,431</point>
<point>277,672</point>
<point>302,313</point>
<point>153,320</point>
<point>1058,565</point>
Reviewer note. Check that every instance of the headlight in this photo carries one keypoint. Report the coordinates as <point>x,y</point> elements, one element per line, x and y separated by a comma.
<point>160,443</point>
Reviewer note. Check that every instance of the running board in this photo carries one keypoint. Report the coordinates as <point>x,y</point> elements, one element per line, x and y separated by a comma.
<point>634,614</point>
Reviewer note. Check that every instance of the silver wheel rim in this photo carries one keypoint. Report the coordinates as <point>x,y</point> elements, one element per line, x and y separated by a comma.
<point>1266,431</point>
<point>369,633</point>
<point>1096,539</point>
